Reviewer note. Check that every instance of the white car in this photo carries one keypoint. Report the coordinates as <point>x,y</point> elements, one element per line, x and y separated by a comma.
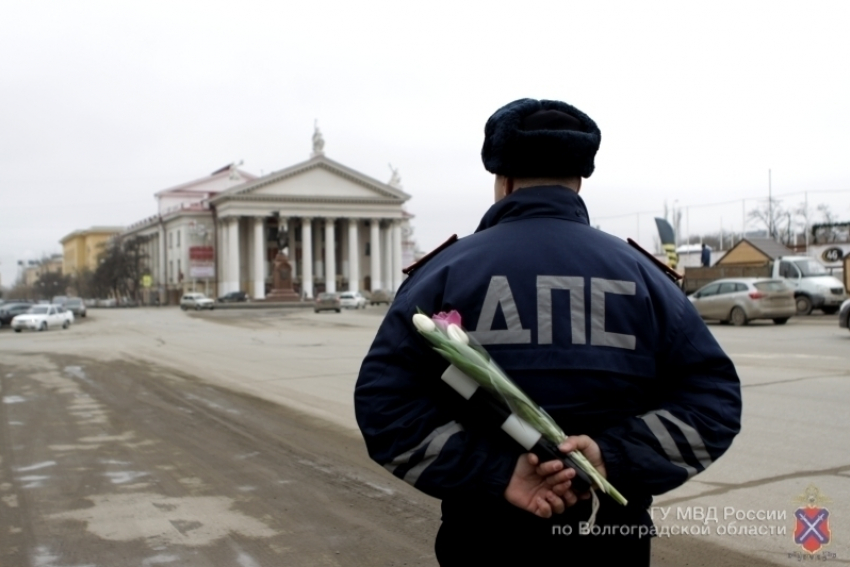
<point>43,317</point>
<point>196,301</point>
<point>352,300</point>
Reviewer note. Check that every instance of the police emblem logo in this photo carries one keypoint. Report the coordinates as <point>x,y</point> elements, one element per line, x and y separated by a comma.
<point>811,530</point>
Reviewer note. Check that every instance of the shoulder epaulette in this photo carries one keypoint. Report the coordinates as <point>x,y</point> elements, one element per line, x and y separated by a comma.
<point>424,259</point>
<point>670,272</point>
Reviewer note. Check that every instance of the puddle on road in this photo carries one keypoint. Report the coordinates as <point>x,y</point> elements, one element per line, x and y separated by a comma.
<point>192,521</point>
<point>43,557</point>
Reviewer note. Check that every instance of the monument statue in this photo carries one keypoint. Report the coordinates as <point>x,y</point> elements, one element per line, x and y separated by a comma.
<point>318,140</point>
<point>234,172</point>
<point>282,237</point>
<point>282,280</point>
<point>395,180</point>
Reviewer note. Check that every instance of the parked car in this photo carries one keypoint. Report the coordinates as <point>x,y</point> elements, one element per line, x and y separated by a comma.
<point>328,302</point>
<point>352,300</point>
<point>740,300</point>
<point>43,317</point>
<point>814,287</point>
<point>76,306</point>
<point>380,296</point>
<point>196,301</point>
<point>233,297</point>
<point>844,315</point>
<point>8,311</point>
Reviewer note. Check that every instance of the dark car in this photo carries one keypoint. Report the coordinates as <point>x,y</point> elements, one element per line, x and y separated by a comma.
<point>844,315</point>
<point>9,310</point>
<point>233,297</point>
<point>328,302</point>
<point>76,306</point>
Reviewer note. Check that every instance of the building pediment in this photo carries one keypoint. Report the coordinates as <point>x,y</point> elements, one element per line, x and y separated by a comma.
<point>319,179</point>
<point>218,181</point>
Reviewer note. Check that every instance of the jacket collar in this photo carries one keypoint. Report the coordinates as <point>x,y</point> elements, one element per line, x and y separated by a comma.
<point>550,201</point>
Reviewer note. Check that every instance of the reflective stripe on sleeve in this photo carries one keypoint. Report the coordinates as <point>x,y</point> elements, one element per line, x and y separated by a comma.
<point>404,458</point>
<point>694,439</point>
<point>667,442</point>
<point>432,452</point>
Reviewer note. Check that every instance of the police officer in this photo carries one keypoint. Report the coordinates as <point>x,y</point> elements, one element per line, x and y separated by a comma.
<point>588,326</point>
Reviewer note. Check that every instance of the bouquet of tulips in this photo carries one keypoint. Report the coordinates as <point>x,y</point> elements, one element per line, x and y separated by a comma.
<point>444,332</point>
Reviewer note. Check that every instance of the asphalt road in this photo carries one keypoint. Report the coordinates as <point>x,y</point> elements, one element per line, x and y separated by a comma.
<point>152,436</point>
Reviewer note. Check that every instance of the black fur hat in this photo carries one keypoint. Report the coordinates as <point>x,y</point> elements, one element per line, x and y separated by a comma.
<point>540,138</point>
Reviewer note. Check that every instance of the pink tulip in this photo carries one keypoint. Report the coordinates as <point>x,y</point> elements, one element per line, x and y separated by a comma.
<point>443,319</point>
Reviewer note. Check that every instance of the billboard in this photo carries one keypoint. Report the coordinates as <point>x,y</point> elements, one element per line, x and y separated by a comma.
<point>201,262</point>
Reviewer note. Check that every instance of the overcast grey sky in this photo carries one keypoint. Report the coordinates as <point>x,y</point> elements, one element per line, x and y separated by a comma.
<point>105,103</point>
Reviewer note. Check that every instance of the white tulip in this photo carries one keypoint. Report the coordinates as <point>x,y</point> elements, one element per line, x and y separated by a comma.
<point>424,323</point>
<point>456,334</point>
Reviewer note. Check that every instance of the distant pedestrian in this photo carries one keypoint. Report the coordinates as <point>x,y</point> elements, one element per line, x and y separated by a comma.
<point>705,257</point>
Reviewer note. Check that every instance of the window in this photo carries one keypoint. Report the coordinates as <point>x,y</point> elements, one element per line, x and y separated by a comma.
<point>170,239</point>
<point>178,243</point>
<point>368,247</point>
<point>788,270</point>
<point>726,287</point>
<point>708,290</point>
<point>171,271</point>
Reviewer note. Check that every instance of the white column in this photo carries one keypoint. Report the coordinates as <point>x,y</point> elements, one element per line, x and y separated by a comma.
<point>330,256</point>
<point>397,275</point>
<point>293,249</point>
<point>307,257</point>
<point>342,261</point>
<point>375,251</point>
<point>353,256</point>
<point>221,266</point>
<point>259,258</point>
<point>162,276</point>
<point>318,264</point>
<point>387,257</point>
<point>233,255</point>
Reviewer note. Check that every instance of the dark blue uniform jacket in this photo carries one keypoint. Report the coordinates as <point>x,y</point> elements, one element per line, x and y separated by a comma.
<point>586,325</point>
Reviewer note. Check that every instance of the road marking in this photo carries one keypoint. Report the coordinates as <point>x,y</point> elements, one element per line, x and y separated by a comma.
<point>37,466</point>
<point>13,400</point>
<point>124,477</point>
<point>379,488</point>
<point>159,559</point>
<point>33,481</point>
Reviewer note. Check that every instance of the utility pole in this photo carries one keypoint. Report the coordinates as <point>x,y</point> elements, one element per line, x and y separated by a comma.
<point>806,217</point>
<point>769,205</point>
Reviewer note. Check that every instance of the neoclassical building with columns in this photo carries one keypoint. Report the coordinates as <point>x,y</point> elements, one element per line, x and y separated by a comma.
<point>340,229</point>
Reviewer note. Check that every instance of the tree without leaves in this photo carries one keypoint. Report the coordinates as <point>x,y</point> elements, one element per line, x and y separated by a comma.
<point>51,284</point>
<point>121,266</point>
<point>778,221</point>
<point>83,283</point>
<point>831,229</point>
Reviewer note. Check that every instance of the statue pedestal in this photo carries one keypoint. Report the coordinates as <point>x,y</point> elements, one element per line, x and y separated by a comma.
<point>282,286</point>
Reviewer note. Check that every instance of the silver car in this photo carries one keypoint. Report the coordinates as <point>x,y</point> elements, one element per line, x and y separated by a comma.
<point>196,301</point>
<point>740,300</point>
